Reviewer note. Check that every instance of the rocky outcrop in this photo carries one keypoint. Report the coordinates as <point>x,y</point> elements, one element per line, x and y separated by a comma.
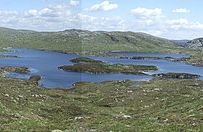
<point>195,43</point>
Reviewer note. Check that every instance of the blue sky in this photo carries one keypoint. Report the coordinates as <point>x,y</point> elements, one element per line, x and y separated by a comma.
<point>173,19</point>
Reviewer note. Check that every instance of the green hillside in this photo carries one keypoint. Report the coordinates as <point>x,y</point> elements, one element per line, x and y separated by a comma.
<point>80,41</point>
<point>159,105</point>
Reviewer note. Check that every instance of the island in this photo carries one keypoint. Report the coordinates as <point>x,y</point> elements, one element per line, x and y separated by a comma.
<point>84,64</point>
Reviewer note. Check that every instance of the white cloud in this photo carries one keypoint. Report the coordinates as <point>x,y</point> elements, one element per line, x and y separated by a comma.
<point>153,21</point>
<point>74,2</point>
<point>31,13</point>
<point>146,17</point>
<point>57,17</point>
<point>67,16</point>
<point>181,10</point>
<point>8,18</point>
<point>103,23</point>
<point>104,6</point>
<point>184,24</point>
<point>180,21</point>
<point>49,12</point>
<point>145,13</point>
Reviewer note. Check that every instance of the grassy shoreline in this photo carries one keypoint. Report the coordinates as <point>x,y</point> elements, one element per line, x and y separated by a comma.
<point>158,105</point>
<point>14,69</point>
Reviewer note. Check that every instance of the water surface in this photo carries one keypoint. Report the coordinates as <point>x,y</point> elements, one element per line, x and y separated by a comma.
<point>46,63</point>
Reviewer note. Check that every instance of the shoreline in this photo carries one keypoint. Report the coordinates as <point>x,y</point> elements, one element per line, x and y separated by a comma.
<point>101,106</point>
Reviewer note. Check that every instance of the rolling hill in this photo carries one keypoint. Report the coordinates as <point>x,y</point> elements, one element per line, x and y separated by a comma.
<point>86,42</point>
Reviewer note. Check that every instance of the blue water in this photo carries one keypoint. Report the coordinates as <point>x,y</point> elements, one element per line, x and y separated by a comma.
<point>46,63</point>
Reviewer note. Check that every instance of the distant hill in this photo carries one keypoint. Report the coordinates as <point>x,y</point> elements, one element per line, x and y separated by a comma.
<point>182,43</point>
<point>82,41</point>
<point>196,43</point>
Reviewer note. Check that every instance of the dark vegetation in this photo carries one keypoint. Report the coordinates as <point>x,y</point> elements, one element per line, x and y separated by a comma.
<point>177,76</point>
<point>94,66</point>
<point>8,56</point>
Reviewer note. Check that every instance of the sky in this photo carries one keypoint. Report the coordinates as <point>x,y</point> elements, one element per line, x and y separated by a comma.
<point>172,19</point>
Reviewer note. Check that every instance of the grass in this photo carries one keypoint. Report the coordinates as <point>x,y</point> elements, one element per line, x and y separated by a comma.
<point>94,66</point>
<point>14,69</point>
<point>2,50</point>
<point>196,58</point>
<point>84,42</point>
<point>158,105</point>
